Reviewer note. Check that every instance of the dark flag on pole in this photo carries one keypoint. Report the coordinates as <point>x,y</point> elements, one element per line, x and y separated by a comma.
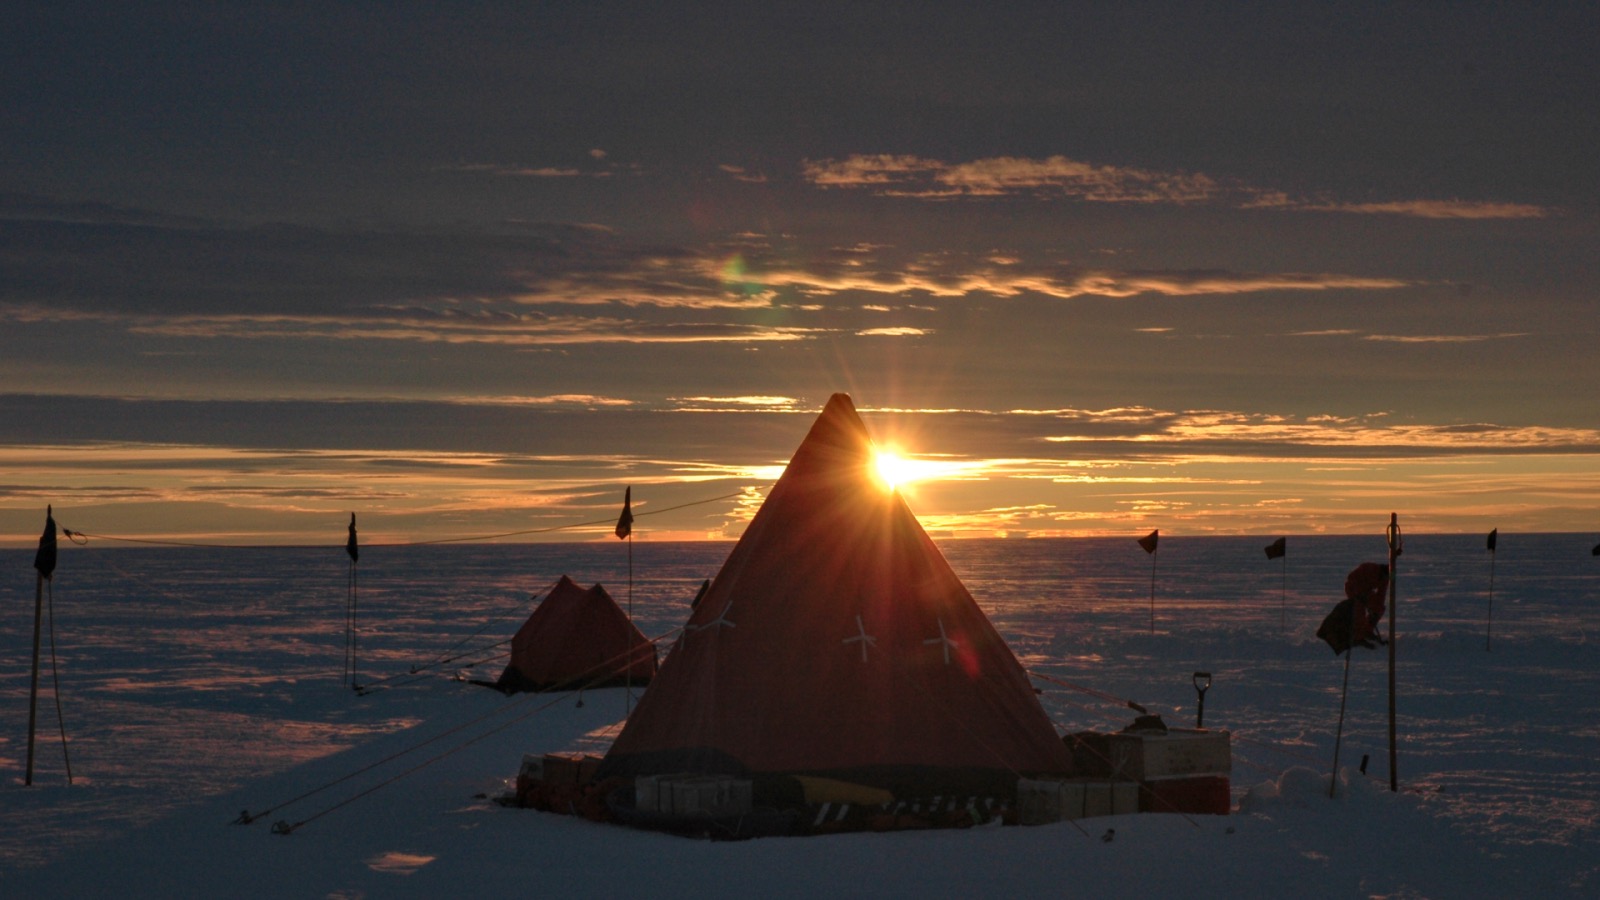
<point>1595,551</point>
<point>1277,550</point>
<point>45,559</point>
<point>350,545</point>
<point>625,521</point>
<point>1494,536</point>
<point>1148,542</point>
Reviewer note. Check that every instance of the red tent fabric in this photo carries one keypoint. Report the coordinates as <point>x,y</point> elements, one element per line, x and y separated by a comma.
<point>577,638</point>
<point>836,641</point>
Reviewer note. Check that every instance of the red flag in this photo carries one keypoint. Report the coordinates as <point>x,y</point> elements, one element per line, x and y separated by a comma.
<point>1277,548</point>
<point>45,559</point>
<point>625,521</point>
<point>1148,542</point>
<point>350,545</point>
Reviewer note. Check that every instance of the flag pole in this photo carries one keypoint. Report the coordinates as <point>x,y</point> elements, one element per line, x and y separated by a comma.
<point>1279,549</point>
<point>1152,543</point>
<point>1338,734</point>
<point>627,706</point>
<point>1488,627</point>
<point>1396,546</point>
<point>1153,556</point>
<point>1283,595</point>
<point>351,547</point>
<point>624,530</point>
<point>44,561</point>
<point>33,681</point>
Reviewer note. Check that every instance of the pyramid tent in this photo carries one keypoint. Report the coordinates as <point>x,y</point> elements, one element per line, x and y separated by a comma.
<point>837,642</point>
<point>577,638</point>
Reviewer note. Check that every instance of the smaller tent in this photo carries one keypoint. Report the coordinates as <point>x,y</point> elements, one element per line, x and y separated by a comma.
<point>577,638</point>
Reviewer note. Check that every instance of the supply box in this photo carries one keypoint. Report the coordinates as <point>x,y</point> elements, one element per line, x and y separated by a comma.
<point>559,768</point>
<point>1041,801</point>
<point>1182,771</point>
<point>687,794</point>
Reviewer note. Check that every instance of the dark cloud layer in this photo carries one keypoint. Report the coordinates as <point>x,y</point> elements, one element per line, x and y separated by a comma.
<point>505,242</point>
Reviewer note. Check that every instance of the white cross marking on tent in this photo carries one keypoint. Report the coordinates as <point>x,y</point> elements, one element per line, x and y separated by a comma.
<point>861,638</point>
<point>718,622</point>
<point>943,639</point>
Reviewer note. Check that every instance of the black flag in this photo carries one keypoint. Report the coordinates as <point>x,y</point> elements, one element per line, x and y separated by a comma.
<point>350,545</point>
<point>45,559</point>
<point>1277,548</point>
<point>625,521</point>
<point>1148,542</point>
<point>1493,537</point>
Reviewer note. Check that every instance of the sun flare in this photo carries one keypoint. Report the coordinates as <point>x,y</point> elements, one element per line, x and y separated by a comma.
<point>896,471</point>
<point>891,468</point>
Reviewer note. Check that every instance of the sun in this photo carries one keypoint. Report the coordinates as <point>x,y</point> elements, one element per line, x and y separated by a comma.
<point>895,471</point>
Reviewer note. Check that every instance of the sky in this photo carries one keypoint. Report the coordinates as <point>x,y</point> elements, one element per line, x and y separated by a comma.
<point>472,269</point>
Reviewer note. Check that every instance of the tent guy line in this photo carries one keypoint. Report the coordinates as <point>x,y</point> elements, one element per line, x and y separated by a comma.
<point>600,674</point>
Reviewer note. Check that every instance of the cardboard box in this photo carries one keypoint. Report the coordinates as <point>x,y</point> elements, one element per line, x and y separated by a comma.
<point>1179,752</point>
<point>683,793</point>
<point>709,795</point>
<point>1038,801</point>
<point>562,768</point>
<point>647,791</point>
<point>691,795</point>
<point>1108,798</point>
<point>1041,801</point>
<point>532,767</point>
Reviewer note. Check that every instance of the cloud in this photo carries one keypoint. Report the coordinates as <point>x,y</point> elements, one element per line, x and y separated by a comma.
<point>893,331</point>
<point>1436,209</point>
<point>1443,338</point>
<point>960,275</point>
<point>579,401</point>
<point>912,176</point>
<point>512,331</point>
<point>917,177</point>
<point>65,266</point>
<point>1412,338</point>
<point>750,401</point>
<point>1260,434</point>
<point>24,207</point>
<point>740,173</point>
<point>523,284</point>
<point>454,467</point>
<point>501,170</point>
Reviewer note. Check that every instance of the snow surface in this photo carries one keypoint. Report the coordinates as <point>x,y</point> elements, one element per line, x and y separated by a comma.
<point>438,833</point>
<point>1499,800</point>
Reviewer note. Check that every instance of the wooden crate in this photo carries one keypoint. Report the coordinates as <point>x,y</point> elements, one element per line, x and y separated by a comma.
<point>1179,752</point>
